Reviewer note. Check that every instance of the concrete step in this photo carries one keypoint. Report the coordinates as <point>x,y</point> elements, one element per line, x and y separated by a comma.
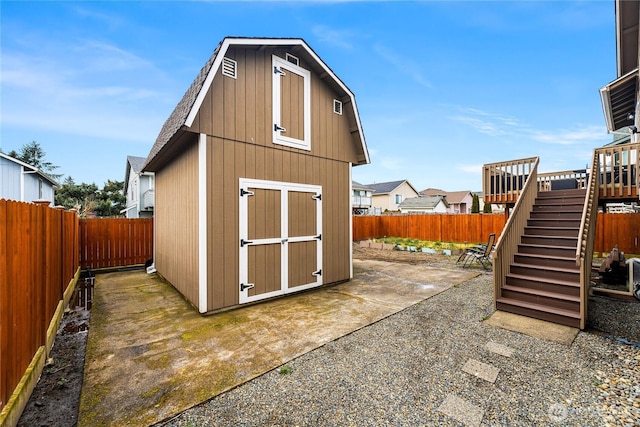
<point>555,315</point>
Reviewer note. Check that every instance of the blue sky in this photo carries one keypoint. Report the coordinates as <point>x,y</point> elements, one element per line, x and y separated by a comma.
<point>442,87</point>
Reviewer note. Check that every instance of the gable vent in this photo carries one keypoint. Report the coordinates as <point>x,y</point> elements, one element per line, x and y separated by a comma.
<point>337,106</point>
<point>293,59</point>
<point>229,67</point>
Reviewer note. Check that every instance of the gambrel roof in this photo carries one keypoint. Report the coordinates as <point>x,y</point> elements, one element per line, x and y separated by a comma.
<point>185,112</point>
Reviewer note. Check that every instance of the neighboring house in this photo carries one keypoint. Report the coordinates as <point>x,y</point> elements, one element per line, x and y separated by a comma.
<point>360,198</point>
<point>387,196</point>
<point>253,176</point>
<point>138,189</point>
<point>459,201</point>
<point>424,205</point>
<point>22,182</point>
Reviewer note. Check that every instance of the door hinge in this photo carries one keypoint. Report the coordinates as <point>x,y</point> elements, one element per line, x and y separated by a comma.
<point>244,287</point>
<point>278,71</point>
<point>278,128</point>
<point>317,273</point>
<point>244,242</point>
<point>318,237</point>
<point>317,197</point>
<point>244,192</point>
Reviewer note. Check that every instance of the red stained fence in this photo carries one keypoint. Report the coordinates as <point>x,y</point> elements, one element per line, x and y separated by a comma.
<point>115,242</point>
<point>38,261</point>
<point>622,229</point>
<point>471,228</point>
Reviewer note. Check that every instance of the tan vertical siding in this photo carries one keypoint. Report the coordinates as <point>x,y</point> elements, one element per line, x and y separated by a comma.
<point>241,109</point>
<point>176,223</point>
<point>226,167</point>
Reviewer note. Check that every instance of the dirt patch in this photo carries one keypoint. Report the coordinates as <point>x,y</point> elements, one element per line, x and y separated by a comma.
<point>55,400</point>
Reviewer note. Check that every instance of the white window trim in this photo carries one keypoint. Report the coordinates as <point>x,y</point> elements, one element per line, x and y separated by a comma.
<point>278,138</point>
<point>337,107</point>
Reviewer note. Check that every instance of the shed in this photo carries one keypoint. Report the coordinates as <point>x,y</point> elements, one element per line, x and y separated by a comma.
<point>253,176</point>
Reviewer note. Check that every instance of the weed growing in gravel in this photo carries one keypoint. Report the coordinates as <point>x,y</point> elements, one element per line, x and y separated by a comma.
<point>285,370</point>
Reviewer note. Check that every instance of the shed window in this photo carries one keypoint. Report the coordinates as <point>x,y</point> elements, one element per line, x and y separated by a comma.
<point>291,104</point>
<point>229,67</point>
<point>337,106</point>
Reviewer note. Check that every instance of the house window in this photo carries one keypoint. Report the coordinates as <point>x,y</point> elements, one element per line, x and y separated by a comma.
<point>291,104</point>
<point>229,67</point>
<point>398,199</point>
<point>40,189</point>
<point>337,107</point>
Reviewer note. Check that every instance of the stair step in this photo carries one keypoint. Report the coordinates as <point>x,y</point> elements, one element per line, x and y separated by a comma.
<point>552,231</point>
<point>554,222</point>
<point>537,311</point>
<point>544,298</point>
<point>557,193</point>
<point>561,201</point>
<point>555,214</point>
<point>555,251</point>
<point>550,240</point>
<point>546,260</point>
<point>566,287</point>
<point>545,272</point>
<point>567,207</point>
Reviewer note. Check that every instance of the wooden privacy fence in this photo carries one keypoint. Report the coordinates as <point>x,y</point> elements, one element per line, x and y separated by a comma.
<point>115,242</point>
<point>622,229</point>
<point>459,228</point>
<point>38,266</point>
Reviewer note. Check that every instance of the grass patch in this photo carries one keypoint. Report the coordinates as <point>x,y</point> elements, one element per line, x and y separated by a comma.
<point>419,244</point>
<point>285,370</point>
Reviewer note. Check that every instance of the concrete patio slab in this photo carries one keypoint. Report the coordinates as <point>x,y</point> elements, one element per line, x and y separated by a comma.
<point>150,355</point>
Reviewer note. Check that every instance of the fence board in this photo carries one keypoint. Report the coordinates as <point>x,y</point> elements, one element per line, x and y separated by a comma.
<point>115,242</point>
<point>612,229</point>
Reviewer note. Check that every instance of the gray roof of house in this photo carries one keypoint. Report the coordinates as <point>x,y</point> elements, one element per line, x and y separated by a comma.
<point>386,187</point>
<point>357,186</point>
<point>180,118</point>
<point>136,163</point>
<point>424,202</point>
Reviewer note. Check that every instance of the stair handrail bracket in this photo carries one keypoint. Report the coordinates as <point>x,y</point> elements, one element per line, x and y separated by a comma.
<point>509,240</point>
<point>586,236</point>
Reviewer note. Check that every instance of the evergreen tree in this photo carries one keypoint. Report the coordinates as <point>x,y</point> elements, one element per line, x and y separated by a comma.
<point>33,154</point>
<point>475,204</point>
<point>487,208</point>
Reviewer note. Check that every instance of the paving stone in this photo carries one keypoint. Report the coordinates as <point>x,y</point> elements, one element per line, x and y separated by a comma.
<point>462,410</point>
<point>500,349</point>
<point>481,370</point>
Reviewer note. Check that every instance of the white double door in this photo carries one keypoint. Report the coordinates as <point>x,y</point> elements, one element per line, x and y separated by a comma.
<point>280,238</point>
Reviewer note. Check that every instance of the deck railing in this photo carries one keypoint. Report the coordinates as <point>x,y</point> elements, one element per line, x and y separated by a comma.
<point>619,171</point>
<point>562,180</point>
<point>503,182</point>
<point>514,228</point>
<point>586,237</point>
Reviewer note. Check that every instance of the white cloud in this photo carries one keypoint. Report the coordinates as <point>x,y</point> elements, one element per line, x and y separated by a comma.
<point>470,168</point>
<point>403,65</point>
<point>332,36</point>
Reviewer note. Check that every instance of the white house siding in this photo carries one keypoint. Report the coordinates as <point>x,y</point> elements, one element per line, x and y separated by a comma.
<point>10,180</point>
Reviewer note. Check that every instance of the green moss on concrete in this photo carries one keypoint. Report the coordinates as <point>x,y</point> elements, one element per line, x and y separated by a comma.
<point>213,324</point>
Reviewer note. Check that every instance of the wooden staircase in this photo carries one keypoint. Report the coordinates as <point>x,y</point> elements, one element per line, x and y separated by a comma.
<point>543,281</point>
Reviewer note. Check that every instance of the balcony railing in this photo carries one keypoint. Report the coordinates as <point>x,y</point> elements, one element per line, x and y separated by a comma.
<point>148,200</point>
<point>619,172</point>
<point>361,201</point>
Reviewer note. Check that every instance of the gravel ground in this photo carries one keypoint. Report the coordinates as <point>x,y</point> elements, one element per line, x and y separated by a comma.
<point>400,370</point>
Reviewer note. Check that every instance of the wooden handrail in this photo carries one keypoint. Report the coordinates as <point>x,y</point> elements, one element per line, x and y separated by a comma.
<point>510,238</point>
<point>586,236</point>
